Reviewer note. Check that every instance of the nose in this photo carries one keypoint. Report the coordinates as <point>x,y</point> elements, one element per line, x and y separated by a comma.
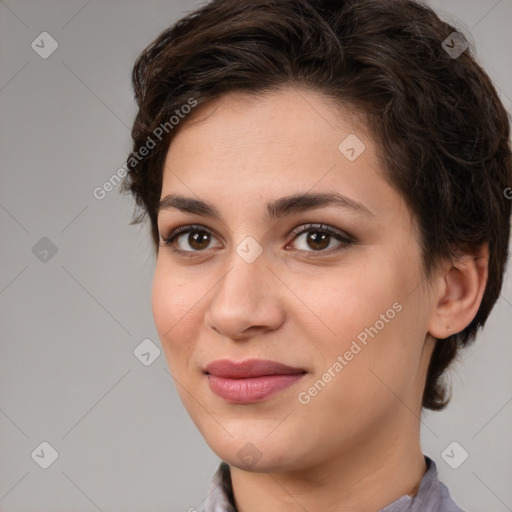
<point>246,301</point>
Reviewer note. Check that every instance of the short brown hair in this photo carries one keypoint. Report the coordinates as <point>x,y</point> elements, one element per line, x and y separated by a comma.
<point>441,129</point>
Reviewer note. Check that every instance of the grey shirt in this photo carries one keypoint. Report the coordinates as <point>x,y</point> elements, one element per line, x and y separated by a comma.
<point>432,495</point>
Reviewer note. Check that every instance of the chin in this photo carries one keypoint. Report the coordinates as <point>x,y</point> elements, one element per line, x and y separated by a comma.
<point>256,455</point>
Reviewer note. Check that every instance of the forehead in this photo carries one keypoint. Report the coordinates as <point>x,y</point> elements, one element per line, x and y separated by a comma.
<point>242,148</point>
<point>292,118</point>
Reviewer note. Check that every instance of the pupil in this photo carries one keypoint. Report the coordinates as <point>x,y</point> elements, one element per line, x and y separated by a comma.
<point>195,240</point>
<point>318,238</point>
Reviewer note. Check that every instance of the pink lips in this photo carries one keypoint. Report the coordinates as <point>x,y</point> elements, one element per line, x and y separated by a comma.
<point>250,381</point>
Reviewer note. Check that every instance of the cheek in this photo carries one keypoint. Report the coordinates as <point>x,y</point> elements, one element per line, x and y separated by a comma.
<point>174,306</point>
<point>354,298</point>
<point>162,303</point>
<point>374,321</point>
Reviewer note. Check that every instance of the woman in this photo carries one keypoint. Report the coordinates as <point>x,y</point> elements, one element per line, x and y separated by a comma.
<point>326,184</point>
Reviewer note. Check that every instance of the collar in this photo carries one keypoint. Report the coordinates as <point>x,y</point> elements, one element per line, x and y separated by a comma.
<point>432,495</point>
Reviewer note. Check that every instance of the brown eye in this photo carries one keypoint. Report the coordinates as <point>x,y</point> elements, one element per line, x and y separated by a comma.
<point>318,238</point>
<point>197,239</point>
<point>318,241</point>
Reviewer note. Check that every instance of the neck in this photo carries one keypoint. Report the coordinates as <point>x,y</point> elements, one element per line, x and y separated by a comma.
<point>365,478</point>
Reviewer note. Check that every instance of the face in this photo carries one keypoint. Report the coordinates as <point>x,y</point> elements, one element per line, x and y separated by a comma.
<point>334,290</point>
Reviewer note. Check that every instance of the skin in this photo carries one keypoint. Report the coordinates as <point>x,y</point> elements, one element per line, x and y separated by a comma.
<point>355,445</point>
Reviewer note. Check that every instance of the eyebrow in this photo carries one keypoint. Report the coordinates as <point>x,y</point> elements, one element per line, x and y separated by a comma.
<point>274,209</point>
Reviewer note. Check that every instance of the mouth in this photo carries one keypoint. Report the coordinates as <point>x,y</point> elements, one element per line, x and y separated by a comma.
<point>250,381</point>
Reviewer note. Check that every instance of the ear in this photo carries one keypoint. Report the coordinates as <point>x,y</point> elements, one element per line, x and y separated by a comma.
<point>459,291</point>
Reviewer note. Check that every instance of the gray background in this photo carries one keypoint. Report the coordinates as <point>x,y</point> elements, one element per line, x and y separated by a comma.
<point>70,324</point>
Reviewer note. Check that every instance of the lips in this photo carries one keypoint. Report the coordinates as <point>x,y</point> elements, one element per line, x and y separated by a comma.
<point>250,381</point>
<point>251,368</point>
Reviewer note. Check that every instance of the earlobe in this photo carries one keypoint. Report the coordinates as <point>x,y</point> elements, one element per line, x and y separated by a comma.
<point>461,286</point>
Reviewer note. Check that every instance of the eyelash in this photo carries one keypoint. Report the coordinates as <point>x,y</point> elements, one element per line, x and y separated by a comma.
<point>346,239</point>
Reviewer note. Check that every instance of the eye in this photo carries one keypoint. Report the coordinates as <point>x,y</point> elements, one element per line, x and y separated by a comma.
<point>320,237</point>
<point>198,239</point>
